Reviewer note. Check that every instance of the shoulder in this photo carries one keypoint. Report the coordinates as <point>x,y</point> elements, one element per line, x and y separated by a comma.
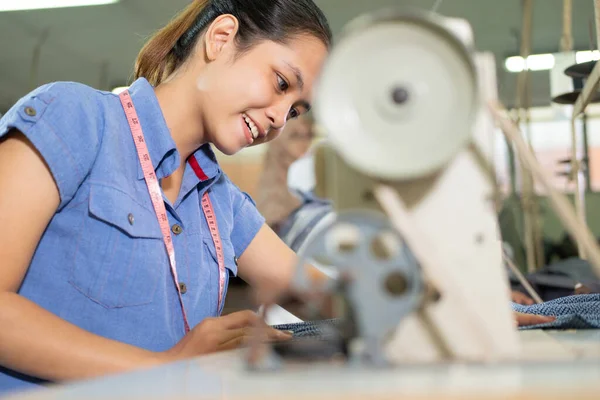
<point>60,105</point>
<point>65,122</point>
<point>71,99</point>
<point>72,92</point>
<point>236,194</point>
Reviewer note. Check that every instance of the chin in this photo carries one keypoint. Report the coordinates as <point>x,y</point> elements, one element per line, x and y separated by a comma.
<point>229,149</point>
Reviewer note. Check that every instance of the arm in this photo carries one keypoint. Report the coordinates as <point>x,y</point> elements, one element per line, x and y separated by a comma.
<point>32,340</point>
<point>268,264</point>
<point>274,199</point>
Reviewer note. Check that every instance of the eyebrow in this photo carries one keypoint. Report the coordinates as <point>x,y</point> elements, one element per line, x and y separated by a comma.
<point>298,75</point>
<point>300,81</point>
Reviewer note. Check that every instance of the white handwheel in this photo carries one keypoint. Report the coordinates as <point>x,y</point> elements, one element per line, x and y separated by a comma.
<point>397,96</point>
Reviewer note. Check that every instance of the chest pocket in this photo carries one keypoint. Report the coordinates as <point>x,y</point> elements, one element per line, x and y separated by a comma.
<point>119,255</point>
<point>230,269</point>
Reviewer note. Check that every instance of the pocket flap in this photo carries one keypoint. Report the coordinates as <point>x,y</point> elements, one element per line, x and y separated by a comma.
<point>228,254</point>
<point>119,209</point>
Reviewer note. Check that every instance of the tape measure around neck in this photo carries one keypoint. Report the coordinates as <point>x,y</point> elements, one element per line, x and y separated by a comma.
<point>159,206</point>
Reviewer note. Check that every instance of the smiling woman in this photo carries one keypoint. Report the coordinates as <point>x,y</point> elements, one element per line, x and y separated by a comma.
<point>86,285</point>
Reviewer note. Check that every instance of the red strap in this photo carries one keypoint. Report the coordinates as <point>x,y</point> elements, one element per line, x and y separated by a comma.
<point>197,169</point>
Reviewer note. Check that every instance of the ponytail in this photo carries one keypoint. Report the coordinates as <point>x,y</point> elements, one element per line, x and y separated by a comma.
<point>159,56</point>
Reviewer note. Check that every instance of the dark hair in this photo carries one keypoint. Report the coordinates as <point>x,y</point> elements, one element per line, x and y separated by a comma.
<point>276,20</point>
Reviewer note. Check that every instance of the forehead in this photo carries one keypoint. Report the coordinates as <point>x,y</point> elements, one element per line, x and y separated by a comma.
<point>304,53</point>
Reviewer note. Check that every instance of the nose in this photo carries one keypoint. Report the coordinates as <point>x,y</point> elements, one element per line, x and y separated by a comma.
<point>277,114</point>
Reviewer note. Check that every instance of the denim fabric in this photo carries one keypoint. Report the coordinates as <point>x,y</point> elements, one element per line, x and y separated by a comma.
<point>101,264</point>
<point>317,329</point>
<point>573,312</point>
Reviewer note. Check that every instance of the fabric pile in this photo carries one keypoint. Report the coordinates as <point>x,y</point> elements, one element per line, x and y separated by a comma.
<point>573,312</point>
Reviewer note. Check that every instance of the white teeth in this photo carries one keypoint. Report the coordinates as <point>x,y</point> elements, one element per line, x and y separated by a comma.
<point>251,126</point>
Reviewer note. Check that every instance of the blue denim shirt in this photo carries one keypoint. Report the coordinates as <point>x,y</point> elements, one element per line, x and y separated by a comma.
<point>101,263</point>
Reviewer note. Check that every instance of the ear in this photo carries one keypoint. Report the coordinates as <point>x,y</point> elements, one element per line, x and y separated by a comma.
<point>220,34</point>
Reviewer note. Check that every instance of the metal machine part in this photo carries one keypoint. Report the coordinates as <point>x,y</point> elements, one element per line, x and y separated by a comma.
<point>378,275</point>
<point>379,283</point>
<point>378,112</point>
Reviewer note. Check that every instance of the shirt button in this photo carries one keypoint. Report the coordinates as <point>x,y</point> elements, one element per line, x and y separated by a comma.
<point>235,260</point>
<point>30,111</point>
<point>182,288</point>
<point>177,229</point>
<point>130,219</point>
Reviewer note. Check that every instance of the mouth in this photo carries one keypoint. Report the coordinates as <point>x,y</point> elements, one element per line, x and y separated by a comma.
<point>254,128</point>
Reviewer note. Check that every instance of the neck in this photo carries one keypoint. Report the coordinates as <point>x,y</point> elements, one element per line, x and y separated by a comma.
<point>182,117</point>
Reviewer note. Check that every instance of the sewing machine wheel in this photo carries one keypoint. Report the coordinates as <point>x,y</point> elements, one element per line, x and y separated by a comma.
<point>369,95</point>
<point>377,274</point>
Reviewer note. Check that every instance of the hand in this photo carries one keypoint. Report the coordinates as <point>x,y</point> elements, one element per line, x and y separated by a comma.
<point>521,298</point>
<point>522,319</point>
<point>223,333</point>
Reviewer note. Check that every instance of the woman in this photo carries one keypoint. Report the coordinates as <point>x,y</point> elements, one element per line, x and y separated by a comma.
<point>86,287</point>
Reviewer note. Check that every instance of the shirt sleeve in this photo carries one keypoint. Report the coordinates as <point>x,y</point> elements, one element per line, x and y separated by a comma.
<point>247,221</point>
<point>63,122</point>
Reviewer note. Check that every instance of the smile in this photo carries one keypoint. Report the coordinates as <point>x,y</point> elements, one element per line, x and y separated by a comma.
<point>251,126</point>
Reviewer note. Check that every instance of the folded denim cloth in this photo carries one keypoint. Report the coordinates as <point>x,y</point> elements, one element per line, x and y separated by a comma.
<point>572,312</point>
<point>320,329</point>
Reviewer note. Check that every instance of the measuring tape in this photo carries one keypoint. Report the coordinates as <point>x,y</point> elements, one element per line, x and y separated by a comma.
<point>159,206</point>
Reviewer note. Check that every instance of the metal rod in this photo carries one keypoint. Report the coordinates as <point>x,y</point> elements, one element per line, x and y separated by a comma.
<point>579,231</point>
<point>566,41</point>
<point>530,290</point>
<point>586,154</point>
<point>575,174</point>
<point>523,102</point>
<point>597,15</point>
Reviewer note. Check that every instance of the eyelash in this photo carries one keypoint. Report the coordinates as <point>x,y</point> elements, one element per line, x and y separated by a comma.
<point>282,86</point>
<point>282,82</point>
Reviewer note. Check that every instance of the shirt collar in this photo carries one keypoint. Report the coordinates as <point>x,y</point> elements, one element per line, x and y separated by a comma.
<point>204,163</point>
<point>163,153</point>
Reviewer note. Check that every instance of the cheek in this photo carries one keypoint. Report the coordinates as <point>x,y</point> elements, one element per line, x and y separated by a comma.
<point>248,87</point>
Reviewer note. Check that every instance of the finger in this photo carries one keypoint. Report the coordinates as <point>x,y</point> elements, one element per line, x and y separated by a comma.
<point>234,343</point>
<point>245,336</point>
<point>229,335</point>
<point>278,335</point>
<point>240,319</point>
<point>532,319</point>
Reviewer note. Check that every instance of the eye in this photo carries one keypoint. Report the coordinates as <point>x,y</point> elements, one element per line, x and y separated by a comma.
<point>282,84</point>
<point>294,113</point>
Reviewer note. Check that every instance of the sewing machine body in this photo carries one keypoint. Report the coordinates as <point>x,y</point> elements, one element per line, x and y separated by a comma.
<point>437,177</point>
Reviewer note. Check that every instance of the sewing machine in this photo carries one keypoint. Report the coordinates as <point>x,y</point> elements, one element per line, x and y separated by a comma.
<point>414,195</point>
<point>415,245</point>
